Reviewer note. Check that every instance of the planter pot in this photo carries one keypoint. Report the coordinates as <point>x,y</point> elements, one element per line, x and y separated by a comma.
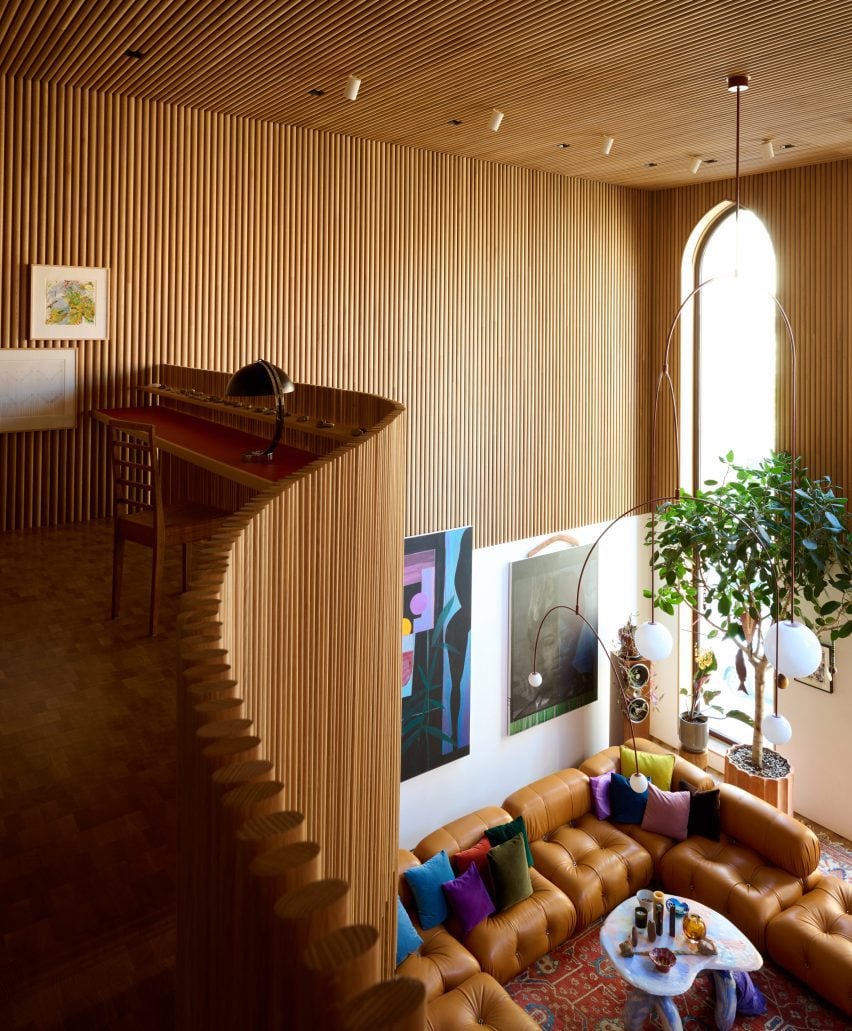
<point>693,734</point>
<point>776,790</point>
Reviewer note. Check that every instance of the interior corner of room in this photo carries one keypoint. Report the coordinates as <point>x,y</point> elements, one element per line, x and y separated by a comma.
<point>465,269</point>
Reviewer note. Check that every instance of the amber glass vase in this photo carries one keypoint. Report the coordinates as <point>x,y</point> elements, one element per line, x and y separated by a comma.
<point>694,927</point>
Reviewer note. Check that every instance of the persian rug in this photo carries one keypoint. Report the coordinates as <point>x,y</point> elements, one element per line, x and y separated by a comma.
<point>576,988</point>
<point>835,860</point>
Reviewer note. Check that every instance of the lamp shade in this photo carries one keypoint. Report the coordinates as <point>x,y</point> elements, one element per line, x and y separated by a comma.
<point>653,641</point>
<point>776,729</point>
<point>259,379</point>
<point>639,782</point>
<point>792,648</point>
<point>534,679</point>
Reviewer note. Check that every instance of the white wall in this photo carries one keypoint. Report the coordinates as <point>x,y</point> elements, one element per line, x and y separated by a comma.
<point>498,764</point>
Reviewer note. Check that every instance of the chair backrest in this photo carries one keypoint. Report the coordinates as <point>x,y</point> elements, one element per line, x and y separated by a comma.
<point>135,470</point>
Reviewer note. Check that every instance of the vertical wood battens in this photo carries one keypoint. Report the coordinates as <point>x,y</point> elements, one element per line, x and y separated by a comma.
<point>808,214</point>
<point>499,304</point>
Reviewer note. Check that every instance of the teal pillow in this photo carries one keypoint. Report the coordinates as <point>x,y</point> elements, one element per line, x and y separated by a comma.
<point>628,806</point>
<point>407,938</point>
<point>425,882</point>
<point>510,873</point>
<point>505,831</point>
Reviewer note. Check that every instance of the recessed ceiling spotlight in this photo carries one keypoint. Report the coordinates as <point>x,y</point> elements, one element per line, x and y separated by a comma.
<point>353,84</point>
<point>137,55</point>
<point>787,146</point>
<point>316,92</point>
<point>694,164</point>
<point>454,121</point>
<point>650,164</point>
<point>563,146</point>
<point>606,145</point>
<point>496,119</point>
<point>711,161</point>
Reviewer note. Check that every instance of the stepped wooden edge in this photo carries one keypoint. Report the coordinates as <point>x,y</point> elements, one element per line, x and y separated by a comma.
<point>340,966</point>
<point>395,1005</point>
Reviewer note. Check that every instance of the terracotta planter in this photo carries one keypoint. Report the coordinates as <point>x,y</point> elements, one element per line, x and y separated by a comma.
<point>777,791</point>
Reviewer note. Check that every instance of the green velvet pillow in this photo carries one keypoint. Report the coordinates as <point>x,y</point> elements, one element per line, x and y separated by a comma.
<point>504,831</point>
<point>510,873</point>
<point>657,768</point>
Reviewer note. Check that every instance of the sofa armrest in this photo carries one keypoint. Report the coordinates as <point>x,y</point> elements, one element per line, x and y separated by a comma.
<point>784,841</point>
<point>550,802</point>
<point>460,834</point>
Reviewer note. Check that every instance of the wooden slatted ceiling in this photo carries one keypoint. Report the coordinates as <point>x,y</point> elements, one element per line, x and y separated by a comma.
<point>649,72</point>
<point>505,307</point>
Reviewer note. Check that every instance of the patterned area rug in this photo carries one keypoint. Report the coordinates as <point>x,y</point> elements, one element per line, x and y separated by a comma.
<point>576,988</point>
<point>835,860</point>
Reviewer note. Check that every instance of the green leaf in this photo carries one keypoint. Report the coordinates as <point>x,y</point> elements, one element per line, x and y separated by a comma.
<point>743,717</point>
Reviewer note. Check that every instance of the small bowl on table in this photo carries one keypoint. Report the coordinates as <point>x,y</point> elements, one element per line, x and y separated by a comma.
<point>663,959</point>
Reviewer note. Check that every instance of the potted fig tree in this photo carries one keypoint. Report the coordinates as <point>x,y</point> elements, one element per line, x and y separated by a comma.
<point>725,551</point>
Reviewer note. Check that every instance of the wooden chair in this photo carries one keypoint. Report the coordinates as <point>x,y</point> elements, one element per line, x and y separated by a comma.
<point>140,514</point>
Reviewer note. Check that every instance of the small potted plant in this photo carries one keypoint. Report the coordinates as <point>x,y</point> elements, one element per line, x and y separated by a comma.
<point>693,728</point>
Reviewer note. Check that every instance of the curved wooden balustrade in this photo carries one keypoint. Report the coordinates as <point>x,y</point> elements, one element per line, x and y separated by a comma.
<point>289,723</point>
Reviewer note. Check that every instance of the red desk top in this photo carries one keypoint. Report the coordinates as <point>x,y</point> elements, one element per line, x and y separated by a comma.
<point>213,446</point>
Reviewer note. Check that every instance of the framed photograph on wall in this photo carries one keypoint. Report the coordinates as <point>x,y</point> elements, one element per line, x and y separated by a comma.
<point>567,647</point>
<point>38,389</point>
<point>68,302</point>
<point>822,677</point>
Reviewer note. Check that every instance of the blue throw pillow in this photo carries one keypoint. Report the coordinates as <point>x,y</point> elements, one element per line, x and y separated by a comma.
<point>407,938</point>
<point>425,882</point>
<point>628,806</point>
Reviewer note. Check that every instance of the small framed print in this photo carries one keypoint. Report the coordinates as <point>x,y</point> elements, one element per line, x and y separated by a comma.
<point>38,389</point>
<point>822,677</point>
<point>68,302</point>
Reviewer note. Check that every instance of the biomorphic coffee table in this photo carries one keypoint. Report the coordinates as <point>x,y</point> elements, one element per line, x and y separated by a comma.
<point>656,990</point>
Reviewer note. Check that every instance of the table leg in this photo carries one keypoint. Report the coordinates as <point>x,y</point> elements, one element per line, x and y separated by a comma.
<point>726,999</point>
<point>638,1007</point>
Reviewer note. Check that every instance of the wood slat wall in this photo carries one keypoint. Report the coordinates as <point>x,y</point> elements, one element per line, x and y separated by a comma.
<point>808,214</point>
<point>506,308</point>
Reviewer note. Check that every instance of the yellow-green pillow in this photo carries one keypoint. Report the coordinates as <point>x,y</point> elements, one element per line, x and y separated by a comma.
<point>657,768</point>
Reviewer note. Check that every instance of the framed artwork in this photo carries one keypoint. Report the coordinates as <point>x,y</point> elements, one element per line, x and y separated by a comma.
<point>68,302</point>
<point>38,389</point>
<point>567,649</point>
<point>436,649</point>
<point>823,676</point>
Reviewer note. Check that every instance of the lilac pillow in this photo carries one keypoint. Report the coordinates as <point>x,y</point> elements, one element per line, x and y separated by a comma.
<point>667,812</point>
<point>600,795</point>
<point>468,899</point>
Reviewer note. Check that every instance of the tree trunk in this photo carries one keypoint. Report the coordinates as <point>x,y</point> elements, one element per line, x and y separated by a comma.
<point>757,733</point>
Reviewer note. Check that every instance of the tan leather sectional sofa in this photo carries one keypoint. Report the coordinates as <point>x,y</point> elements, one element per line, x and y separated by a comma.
<point>761,871</point>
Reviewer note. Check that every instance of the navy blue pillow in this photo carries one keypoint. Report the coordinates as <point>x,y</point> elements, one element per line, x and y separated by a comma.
<point>627,805</point>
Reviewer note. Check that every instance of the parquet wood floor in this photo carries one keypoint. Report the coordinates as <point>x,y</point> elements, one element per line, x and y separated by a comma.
<point>87,786</point>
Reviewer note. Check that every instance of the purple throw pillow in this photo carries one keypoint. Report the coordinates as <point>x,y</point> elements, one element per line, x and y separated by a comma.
<point>667,812</point>
<point>468,899</point>
<point>600,795</point>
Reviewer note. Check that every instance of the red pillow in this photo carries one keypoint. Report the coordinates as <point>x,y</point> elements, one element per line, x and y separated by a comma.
<point>477,856</point>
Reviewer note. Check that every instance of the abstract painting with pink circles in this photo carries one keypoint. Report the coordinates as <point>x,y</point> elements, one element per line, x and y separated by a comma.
<point>436,649</point>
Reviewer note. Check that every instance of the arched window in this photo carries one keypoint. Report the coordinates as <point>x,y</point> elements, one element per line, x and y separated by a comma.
<point>731,394</point>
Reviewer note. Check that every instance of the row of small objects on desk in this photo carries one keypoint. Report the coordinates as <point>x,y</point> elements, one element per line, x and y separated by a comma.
<point>198,395</point>
<point>694,930</point>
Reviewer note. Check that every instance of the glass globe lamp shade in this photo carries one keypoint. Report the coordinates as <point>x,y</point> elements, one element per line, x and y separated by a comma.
<point>653,641</point>
<point>534,679</point>
<point>639,783</point>
<point>776,729</point>
<point>792,648</point>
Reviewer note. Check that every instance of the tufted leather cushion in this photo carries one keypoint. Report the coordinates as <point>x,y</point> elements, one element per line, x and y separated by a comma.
<point>442,963</point>
<point>551,801</point>
<point>478,1003</point>
<point>783,840</point>
<point>813,940</point>
<point>594,863</point>
<point>506,943</point>
<point>732,879</point>
<point>610,759</point>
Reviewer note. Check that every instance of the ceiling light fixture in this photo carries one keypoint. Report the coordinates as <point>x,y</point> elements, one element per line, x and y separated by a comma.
<point>563,146</point>
<point>792,648</point>
<point>496,120</point>
<point>353,84</point>
<point>137,55</point>
<point>768,149</point>
<point>607,145</point>
<point>316,92</point>
<point>694,164</point>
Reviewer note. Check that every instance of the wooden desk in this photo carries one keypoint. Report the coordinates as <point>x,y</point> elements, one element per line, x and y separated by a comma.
<point>211,445</point>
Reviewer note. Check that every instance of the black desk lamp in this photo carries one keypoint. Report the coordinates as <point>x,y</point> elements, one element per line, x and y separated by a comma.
<point>258,380</point>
